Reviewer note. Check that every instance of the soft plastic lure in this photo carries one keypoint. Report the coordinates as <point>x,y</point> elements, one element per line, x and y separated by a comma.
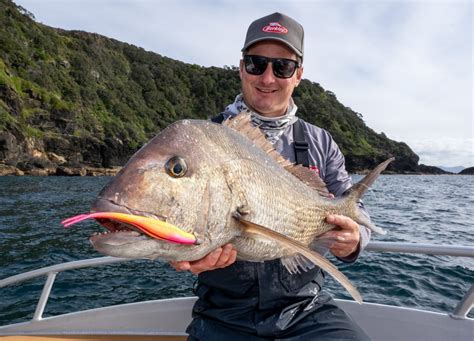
<point>152,227</point>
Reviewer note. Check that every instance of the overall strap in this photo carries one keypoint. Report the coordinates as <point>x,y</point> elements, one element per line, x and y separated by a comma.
<point>300,144</point>
<point>218,119</point>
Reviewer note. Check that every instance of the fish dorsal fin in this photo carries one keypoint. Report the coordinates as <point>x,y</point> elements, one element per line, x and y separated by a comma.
<point>242,123</point>
<point>310,178</point>
<point>293,245</point>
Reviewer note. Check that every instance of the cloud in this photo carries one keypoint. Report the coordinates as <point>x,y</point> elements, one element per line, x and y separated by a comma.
<point>405,66</point>
<point>445,151</point>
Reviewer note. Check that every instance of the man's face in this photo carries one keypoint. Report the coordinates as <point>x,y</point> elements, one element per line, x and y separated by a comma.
<point>267,94</point>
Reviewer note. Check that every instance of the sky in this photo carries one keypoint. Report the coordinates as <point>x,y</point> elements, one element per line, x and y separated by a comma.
<point>406,66</point>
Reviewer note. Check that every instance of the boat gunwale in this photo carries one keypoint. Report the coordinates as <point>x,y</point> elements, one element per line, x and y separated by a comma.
<point>461,311</point>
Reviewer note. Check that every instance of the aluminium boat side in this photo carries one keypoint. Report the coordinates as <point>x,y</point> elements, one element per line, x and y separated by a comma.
<point>167,319</point>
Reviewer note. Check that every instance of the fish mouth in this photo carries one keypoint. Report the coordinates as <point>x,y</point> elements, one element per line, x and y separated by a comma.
<point>117,229</point>
<point>125,225</point>
<point>113,226</point>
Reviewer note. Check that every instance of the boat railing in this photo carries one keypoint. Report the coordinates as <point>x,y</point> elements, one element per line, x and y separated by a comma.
<point>460,312</point>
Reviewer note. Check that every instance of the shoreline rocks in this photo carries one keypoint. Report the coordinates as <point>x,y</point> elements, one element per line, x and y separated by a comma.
<point>7,170</point>
<point>62,170</point>
<point>467,171</point>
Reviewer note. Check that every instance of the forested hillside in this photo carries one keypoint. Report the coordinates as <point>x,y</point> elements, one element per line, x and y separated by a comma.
<point>70,100</point>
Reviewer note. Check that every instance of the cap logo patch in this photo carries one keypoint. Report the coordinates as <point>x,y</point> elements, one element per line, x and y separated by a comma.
<point>275,27</point>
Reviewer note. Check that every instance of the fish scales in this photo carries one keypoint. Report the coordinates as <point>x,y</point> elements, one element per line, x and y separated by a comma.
<point>278,199</point>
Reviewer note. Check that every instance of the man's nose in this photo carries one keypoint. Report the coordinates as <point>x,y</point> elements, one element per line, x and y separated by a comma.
<point>268,77</point>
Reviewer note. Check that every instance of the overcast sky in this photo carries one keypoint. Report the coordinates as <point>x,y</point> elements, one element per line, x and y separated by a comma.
<point>406,66</point>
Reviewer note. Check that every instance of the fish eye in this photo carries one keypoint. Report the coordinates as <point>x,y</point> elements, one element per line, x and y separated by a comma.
<point>176,167</point>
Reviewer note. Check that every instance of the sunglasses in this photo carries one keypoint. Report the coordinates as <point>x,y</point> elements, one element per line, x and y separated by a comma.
<point>282,67</point>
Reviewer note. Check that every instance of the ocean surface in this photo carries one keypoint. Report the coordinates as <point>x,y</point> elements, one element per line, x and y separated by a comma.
<point>418,208</point>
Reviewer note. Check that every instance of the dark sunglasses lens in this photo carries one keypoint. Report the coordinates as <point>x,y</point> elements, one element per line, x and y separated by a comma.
<point>255,65</point>
<point>284,68</point>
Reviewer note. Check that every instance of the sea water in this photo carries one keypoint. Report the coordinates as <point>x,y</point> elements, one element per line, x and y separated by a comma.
<point>412,208</point>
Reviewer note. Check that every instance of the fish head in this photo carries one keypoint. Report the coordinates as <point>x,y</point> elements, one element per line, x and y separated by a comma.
<point>175,178</point>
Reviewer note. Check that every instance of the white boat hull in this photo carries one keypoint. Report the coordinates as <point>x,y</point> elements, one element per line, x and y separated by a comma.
<point>170,317</point>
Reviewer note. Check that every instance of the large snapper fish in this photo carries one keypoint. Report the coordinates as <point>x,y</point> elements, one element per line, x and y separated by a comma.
<point>199,185</point>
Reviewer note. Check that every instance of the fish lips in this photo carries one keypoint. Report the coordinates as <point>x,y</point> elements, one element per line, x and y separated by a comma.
<point>102,204</point>
<point>119,238</point>
<point>121,222</point>
<point>118,233</point>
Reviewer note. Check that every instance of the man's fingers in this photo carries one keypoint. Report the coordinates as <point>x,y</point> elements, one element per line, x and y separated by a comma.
<point>219,258</point>
<point>233,258</point>
<point>224,256</point>
<point>181,266</point>
<point>344,250</point>
<point>346,238</point>
<point>343,222</point>
<point>206,263</point>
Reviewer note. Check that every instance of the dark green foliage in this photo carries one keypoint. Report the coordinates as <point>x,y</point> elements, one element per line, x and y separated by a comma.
<point>78,84</point>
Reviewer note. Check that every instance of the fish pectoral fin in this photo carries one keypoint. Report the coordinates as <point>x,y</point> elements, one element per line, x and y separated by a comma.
<point>317,259</point>
<point>243,210</point>
<point>297,263</point>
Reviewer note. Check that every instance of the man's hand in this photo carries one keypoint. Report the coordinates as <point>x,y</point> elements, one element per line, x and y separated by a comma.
<point>219,258</point>
<point>346,238</point>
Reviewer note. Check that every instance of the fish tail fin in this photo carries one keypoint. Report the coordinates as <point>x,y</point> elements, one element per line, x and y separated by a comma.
<point>364,220</point>
<point>358,190</point>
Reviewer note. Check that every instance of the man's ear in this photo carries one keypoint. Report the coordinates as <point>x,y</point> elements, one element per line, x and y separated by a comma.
<point>299,75</point>
<point>241,68</point>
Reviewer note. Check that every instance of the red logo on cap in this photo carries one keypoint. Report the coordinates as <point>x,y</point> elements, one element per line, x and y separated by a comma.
<point>275,27</point>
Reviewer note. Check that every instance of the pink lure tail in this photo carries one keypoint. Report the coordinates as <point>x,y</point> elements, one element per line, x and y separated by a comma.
<point>152,227</point>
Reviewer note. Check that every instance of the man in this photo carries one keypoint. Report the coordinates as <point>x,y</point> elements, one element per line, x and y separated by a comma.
<point>257,301</point>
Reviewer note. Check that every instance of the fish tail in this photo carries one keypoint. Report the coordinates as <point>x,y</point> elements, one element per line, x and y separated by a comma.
<point>358,190</point>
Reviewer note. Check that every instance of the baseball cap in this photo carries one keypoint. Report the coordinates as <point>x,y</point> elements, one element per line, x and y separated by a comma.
<point>279,27</point>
